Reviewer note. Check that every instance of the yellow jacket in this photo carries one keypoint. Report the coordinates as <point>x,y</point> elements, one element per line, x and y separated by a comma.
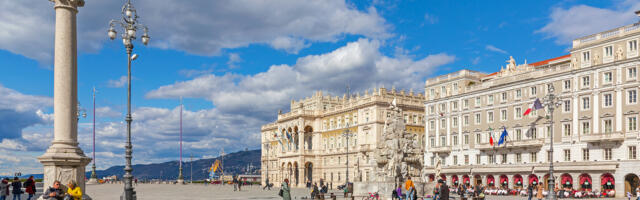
<point>409,184</point>
<point>76,193</point>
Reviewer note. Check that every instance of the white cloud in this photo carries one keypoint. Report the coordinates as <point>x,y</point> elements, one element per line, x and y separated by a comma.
<point>359,63</point>
<point>117,83</point>
<point>107,112</point>
<point>495,49</point>
<point>233,59</point>
<point>430,19</point>
<point>199,27</point>
<point>18,111</point>
<point>578,21</point>
<point>13,145</point>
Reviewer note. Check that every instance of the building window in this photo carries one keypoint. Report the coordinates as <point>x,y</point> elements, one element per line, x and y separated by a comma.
<point>632,123</point>
<point>454,105</point>
<point>632,96</point>
<point>432,92</point>
<point>607,154</point>
<point>490,99</point>
<point>477,101</point>
<point>491,159</point>
<point>478,138</point>
<point>465,120</point>
<point>585,128</point>
<point>567,155</point>
<point>518,93</point>
<point>503,115</point>
<point>518,113</point>
<point>504,97</point>
<point>432,109</point>
<point>518,134</point>
<point>608,100</point>
<point>608,78</point>
<point>633,45</point>
<point>504,158</point>
<point>432,125</point>
<point>432,141</point>
<point>585,57</point>
<point>455,122</point>
<point>478,159</point>
<point>632,152</point>
<point>443,91</point>
<point>518,158</point>
<point>433,161</point>
<point>533,157</point>
<point>466,159</point>
<point>534,133</point>
<point>465,103</point>
<point>567,85</point>
<point>585,81</point>
<point>534,91</point>
<point>549,156</point>
<point>477,118</point>
<point>566,129</point>
<point>455,87</point>
<point>466,139</point>
<point>567,105</point>
<point>548,131</point>
<point>455,140</point>
<point>608,126</point>
<point>490,116</point>
<point>585,154</point>
<point>585,103</point>
<point>608,51</point>
<point>455,160</point>
<point>443,141</point>
<point>443,123</point>
<point>631,73</point>
<point>443,107</point>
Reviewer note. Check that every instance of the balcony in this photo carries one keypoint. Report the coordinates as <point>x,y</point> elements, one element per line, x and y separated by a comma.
<point>440,149</point>
<point>513,144</point>
<point>603,137</point>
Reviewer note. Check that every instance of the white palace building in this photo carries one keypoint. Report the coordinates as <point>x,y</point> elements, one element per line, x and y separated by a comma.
<point>595,128</point>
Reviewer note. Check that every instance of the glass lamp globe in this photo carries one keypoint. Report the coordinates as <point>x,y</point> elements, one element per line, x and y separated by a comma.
<point>131,32</point>
<point>145,39</point>
<point>126,41</point>
<point>112,33</point>
<point>128,12</point>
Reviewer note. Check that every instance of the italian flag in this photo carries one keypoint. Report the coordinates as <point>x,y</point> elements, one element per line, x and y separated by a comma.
<point>535,106</point>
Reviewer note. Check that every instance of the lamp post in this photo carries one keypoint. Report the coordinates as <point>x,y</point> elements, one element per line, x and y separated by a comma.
<point>94,179</point>
<point>347,133</point>
<point>180,177</point>
<point>551,102</point>
<point>130,24</point>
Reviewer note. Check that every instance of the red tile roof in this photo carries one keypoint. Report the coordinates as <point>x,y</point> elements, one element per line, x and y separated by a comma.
<point>544,62</point>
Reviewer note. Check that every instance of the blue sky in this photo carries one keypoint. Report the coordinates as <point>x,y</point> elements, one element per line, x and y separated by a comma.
<point>237,62</point>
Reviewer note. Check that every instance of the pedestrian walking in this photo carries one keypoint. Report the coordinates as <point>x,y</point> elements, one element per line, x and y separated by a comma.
<point>4,189</point>
<point>530,191</point>
<point>235,183</point>
<point>444,190</point>
<point>30,187</point>
<point>539,195</point>
<point>54,192</point>
<point>408,186</point>
<point>266,185</point>
<point>285,191</point>
<point>16,186</point>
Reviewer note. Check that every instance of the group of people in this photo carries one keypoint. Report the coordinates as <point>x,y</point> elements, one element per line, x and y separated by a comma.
<point>410,191</point>
<point>55,192</point>
<point>317,192</point>
<point>15,188</point>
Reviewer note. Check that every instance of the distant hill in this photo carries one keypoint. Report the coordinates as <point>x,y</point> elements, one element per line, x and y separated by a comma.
<point>234,163</point>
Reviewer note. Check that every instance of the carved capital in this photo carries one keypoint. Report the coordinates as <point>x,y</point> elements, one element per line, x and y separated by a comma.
<point>70,4</point>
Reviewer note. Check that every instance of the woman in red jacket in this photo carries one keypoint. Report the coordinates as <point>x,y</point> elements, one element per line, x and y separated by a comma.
<point>30,187</point>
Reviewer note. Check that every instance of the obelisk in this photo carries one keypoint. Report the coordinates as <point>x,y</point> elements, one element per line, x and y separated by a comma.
<point>64,160</point>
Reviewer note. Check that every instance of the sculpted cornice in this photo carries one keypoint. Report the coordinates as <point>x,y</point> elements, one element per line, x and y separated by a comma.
<point>71,4</point>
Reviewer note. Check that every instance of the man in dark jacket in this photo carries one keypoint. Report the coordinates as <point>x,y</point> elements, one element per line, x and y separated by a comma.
<point>444,190</point>
<point>54,192</point>
<point>17,188</point>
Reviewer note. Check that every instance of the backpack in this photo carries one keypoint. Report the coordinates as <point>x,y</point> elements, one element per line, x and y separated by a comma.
<point>280,193</point>
<point>394,194</point>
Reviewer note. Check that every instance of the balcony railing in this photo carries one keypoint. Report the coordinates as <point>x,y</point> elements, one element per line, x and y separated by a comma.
<point>440,149</point>
<point>513,144</point>
<point>603,137</point>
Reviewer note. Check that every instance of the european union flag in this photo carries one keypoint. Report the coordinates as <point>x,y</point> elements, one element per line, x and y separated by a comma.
<point>503,136</point>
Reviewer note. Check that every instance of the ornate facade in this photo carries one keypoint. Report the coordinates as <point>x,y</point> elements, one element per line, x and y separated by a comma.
<point>595,128</point>
<point>309,143</point>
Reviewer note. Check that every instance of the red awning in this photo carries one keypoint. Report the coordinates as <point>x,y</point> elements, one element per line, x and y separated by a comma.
<point>566,179</point>
<point>504,180</point>
<point>454,179</point>
<point>443,177</point>
<point>607,179</point>
<point>517,180</point>
<point>465,179</point>
<point>532,179</point>
<point>490,179</point>
<point>584,179</point>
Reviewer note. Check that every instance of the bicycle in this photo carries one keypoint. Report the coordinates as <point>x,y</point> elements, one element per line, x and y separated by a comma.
<point>372,196</point>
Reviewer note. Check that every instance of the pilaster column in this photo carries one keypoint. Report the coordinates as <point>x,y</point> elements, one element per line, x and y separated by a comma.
<point>618,105</point>
<point>64,160</point>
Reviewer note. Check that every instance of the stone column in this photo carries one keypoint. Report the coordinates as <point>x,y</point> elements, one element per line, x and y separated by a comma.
<point>64,160</point>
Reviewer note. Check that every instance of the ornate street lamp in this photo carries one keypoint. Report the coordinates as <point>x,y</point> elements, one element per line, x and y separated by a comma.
<point>551,102</point>
<point>130,25</point>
